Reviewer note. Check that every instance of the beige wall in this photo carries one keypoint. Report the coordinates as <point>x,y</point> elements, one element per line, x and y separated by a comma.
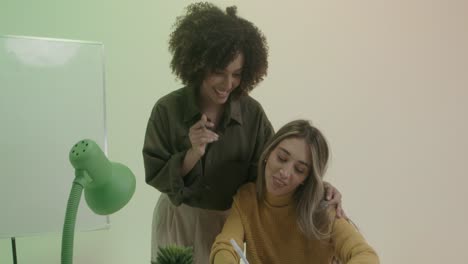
<point>385,80</point>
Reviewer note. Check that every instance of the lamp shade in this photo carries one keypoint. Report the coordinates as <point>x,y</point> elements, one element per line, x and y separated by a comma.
<point>110,185</point>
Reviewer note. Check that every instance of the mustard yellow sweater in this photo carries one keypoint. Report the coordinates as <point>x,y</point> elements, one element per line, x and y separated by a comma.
<point>272,236</point>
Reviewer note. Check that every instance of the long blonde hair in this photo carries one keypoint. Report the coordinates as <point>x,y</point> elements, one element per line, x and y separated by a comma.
<point>312,217</point>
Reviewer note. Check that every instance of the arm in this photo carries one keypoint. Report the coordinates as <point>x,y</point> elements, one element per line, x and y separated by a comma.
<point>190,160</point>
<point>222,251</point>
<point>200,136</point>
<point>350,245</point>
<point>163,163</point>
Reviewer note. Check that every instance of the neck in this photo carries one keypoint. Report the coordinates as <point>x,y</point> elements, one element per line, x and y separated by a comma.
<point>279,200</point>
<point>207,105</point>
<point>211,108</point>
<point>212,111</point>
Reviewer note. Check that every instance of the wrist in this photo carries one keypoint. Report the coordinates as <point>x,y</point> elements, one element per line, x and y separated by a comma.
<point>194,154</point>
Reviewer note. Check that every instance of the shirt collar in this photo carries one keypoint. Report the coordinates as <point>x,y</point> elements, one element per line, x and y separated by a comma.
<point>235,109</point>
<point>191,109</point>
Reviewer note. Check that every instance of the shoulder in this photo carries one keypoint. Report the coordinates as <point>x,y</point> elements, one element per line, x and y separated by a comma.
<point>246,202</point>
<point>248,189</point>
<point>250,104</point>
<point>246,194</point>
<point>174,97</point>
<point>169,102</point>
<point>341,227</point>
<point>252,111</point>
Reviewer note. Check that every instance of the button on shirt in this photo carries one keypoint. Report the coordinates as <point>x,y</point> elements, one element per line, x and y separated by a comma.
<point>228,162</point>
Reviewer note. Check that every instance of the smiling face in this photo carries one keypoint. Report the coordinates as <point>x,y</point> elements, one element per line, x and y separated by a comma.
<point>219,84</point>
<point>287,166</point>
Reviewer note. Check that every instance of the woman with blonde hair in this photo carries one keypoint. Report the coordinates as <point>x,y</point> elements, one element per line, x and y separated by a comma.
<point>283,217</point>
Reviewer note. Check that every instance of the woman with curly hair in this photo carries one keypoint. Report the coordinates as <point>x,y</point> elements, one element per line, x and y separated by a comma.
<point>283,218</point>
<point>203,141</point>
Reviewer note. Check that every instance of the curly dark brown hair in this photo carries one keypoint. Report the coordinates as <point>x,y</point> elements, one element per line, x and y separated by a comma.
<point>206,39</point>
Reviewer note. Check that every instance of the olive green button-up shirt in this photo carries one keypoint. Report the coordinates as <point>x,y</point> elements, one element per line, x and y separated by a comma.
<point>227,164</point>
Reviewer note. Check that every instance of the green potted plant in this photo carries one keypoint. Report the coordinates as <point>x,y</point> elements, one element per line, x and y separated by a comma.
<point>174,255</point>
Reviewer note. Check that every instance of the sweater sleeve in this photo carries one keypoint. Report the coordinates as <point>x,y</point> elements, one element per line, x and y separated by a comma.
<point>350,245</point>
<point>163,163</point>
<point>222,252</point>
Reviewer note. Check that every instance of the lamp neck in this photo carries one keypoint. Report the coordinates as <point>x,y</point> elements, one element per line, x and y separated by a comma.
<point>82,178</point>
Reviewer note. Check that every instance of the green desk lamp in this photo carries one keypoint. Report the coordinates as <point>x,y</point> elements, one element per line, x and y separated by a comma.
<point>108,186</point>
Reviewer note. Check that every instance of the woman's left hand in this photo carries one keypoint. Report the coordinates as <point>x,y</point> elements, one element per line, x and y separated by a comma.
<point>333,197</point>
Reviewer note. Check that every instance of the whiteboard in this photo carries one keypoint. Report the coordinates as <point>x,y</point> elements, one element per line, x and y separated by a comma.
<point>52,95</point>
